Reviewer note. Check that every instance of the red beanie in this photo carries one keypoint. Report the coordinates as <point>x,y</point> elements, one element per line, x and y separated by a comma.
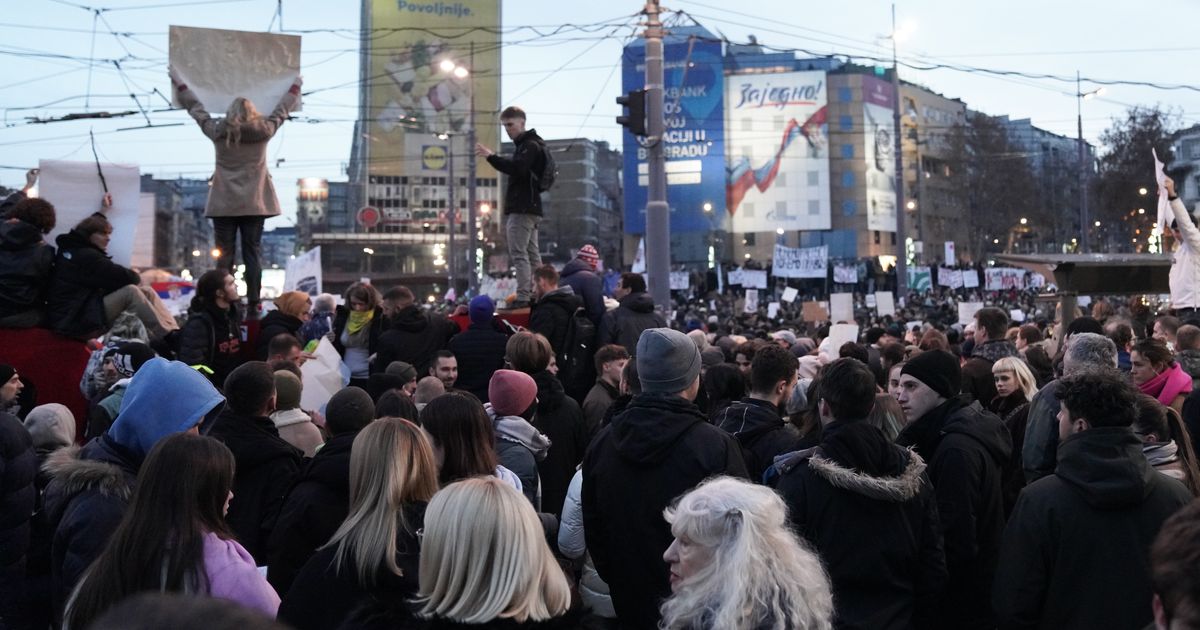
<point>589,255</point>
<point>511,392</point>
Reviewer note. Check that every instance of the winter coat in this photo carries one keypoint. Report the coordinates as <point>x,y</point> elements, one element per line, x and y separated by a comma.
<point>977,379</point>
<point>1013,411</point>
<point>521,193</point>
<point>759,430</point>
<point>551,316</point>
<point>315,506</point>
<point>266,467</point>
<point>213,338</point>
<point>90,487</point>
<point>560,419</point>
<point>519,448</point>
<point>322,597</point>
<point>596,404</point>
<point>83,275</point>
<point>1039,453</point>
<point>868,508</point>
<point>374,330</point>
<point>233,576</point>
<point>102,414</point>
<point>18,471</point>
<point>26,266</point>
<point>480,352</point>
<point>1076,550</point>
<point>1185,261</point>
<point>658,448</point>
<point>587,285</point>
<point>296,427</point>
<point>624,324</point>
<point>413,336</point>
<point>276,323</point>
<point>573,544</point>
<point>967,449</point>
<point>241,185</point>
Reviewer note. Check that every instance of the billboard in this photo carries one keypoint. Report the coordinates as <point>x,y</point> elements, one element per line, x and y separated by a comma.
<point>778,144</point>
<point>693,144</point>
<point>414,93</point>
<point>880,152</point>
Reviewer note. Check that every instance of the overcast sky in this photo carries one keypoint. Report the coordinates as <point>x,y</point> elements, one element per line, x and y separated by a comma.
<point>568,87</point>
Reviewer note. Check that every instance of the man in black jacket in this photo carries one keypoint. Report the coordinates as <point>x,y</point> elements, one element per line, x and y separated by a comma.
<point>754,420</point>
<point>624,325</point>
<point>659,447</point>
<point>412,334</point>
<point>967,448</point>
<point>212,335</point>
<point>868,508</point>
<point>479,349</point>
<point>26,263</point>
<point>1076,550</point>
<point>266,464</point>
<point>991,345</point>
<point>18,468</point>
<point>320,500</point>
<point>553,308</point>
<point>522,197</point>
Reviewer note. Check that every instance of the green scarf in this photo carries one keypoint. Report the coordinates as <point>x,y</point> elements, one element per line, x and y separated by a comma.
<point>358,320</point>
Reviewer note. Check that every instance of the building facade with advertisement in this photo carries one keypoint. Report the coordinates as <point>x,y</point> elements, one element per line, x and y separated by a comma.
<point>429,74</point>
<point>934,181</point>
<point>694,143</point>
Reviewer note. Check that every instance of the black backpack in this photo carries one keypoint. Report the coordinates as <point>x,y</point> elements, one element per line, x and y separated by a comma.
<point>575,358</point>
<point>545,181</point>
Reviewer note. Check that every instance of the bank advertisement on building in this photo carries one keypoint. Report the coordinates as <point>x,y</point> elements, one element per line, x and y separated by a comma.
<point>694,140</point>
<point>880,152</point>
<point>778,146</point>
<point>424,62</point>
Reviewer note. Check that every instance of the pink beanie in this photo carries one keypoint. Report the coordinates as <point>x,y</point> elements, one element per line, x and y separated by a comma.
<point>511,392</point>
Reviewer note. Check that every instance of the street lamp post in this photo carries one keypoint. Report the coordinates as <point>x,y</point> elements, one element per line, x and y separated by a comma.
<point>901,215</point>
<point>1080,97</point>
<point>463,73</point>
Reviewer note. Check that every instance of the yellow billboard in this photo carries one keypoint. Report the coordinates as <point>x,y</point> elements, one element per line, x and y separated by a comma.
<point>426,58</point>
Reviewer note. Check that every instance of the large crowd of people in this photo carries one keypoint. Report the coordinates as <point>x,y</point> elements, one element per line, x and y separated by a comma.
<point>598,468</point>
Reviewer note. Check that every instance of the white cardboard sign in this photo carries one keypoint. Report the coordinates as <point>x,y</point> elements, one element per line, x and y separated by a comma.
<point>220,65</point>
<point>76,192</point>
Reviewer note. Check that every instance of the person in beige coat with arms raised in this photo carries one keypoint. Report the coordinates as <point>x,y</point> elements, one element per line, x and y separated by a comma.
<point>242,195</point>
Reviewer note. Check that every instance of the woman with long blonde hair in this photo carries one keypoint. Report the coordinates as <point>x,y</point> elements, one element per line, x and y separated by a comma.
<point>242,195</point>
<point>374,554</point>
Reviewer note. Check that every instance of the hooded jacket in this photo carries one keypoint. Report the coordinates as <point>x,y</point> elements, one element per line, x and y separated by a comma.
<point>273,324</point>
<point>1076,550</point>
<point>587,285</point>
<point>551,316</point>
<point>413,336</point>
<point>26,263</point>
<point>83,275</point>
<point>560,419</point>
<point>266,468</point>
<point>521,194</point>
<point>312,511</point>
<point>519,448</point>
<point>90,487</point>
<point>624,324</point>
<point>211,337</point>
<point>480,352</point>
<point>760,432</point>
<point>18,470</point>
<point>977,379</point>
<point>658,448</point>
<point>869,510</point>
<point>967,449</point>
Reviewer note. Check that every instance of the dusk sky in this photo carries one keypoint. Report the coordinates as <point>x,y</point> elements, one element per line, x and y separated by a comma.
<point>567,87</point>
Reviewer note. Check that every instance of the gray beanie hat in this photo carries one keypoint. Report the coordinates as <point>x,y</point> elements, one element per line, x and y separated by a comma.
<point>52,426</point>
<point>667,360</point>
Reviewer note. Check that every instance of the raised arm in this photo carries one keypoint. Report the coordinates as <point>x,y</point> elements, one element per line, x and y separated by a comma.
<point>286,104</point>
<point>1183,220</point>
<point>192,103</point>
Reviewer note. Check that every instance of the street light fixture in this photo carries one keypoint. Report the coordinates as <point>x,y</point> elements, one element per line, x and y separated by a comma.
<point>1142,191</point>
<point>368,251</point>
<point>216,253</point>
<point>1080,97</point>
<point>1024,221</point>
<point>707,207</point>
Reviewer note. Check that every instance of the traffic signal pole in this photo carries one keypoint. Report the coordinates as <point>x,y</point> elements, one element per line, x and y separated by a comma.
<point>658,226</point>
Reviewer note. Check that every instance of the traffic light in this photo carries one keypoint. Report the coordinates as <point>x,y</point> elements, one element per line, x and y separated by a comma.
<point>635,120</point>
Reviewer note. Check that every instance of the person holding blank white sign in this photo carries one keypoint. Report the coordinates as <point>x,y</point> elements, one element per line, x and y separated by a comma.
<point>242,195</point>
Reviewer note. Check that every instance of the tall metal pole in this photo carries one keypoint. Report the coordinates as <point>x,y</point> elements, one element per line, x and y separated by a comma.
<point>364,115</point>
<point>901,232</point>
<point>472,258</point>
<point>1083,209</point>
<point>452,215</point>
<point>658,225</point>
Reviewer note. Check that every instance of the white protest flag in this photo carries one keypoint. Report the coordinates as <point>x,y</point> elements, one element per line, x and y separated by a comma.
<point>639,259</point>
<point>304,273</point>
<point>1164,204</point>
<point>220,65</point>
<point>76,191</point>
<point>321,376</point>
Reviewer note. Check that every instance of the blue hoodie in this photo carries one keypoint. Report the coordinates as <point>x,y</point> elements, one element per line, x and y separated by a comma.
<point>164,397</point>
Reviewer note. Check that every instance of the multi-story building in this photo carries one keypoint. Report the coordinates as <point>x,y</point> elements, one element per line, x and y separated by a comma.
<point>585,204</point>
<point>182,237</point>
<point>933,178</point>
<point>1185,170</point>
<point>278,245</point>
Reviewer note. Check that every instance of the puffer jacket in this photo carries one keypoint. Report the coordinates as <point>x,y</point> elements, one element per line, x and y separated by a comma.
<point>519,448</point>
<point>573,544</point>
<point>624,324</point>
<point>26,263</point>
<point>83,275</point>
<point>18,471</point>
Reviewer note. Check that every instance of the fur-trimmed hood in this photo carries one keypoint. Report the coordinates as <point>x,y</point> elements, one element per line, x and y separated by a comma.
<point>72,472</point>
<point>898,489</point>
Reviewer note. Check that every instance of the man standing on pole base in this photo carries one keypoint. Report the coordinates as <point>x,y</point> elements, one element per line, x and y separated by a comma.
<point>522,200</point>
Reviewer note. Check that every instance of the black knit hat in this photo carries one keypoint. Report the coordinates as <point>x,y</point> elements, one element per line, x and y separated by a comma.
<point>938,369</point>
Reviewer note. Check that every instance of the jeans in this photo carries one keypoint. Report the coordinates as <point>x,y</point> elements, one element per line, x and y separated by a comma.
<point>522,234</point>
<point>225,229</point>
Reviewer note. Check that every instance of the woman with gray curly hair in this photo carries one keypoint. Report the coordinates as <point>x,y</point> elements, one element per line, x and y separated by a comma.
<point>735,563</point>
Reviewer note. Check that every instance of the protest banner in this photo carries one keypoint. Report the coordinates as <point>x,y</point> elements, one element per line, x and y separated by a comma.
<point>304,273</point>
<point>885,303</point>
<point>920,278</point>
<point>754,279</point>
<point>956,279</point>
<point>751,304</point>
<point>76,190</point>
<point>680,281</point>
<point>970,279</point>
<point>220,65</point>
<point>806,262</point>
<point>845,274</point>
